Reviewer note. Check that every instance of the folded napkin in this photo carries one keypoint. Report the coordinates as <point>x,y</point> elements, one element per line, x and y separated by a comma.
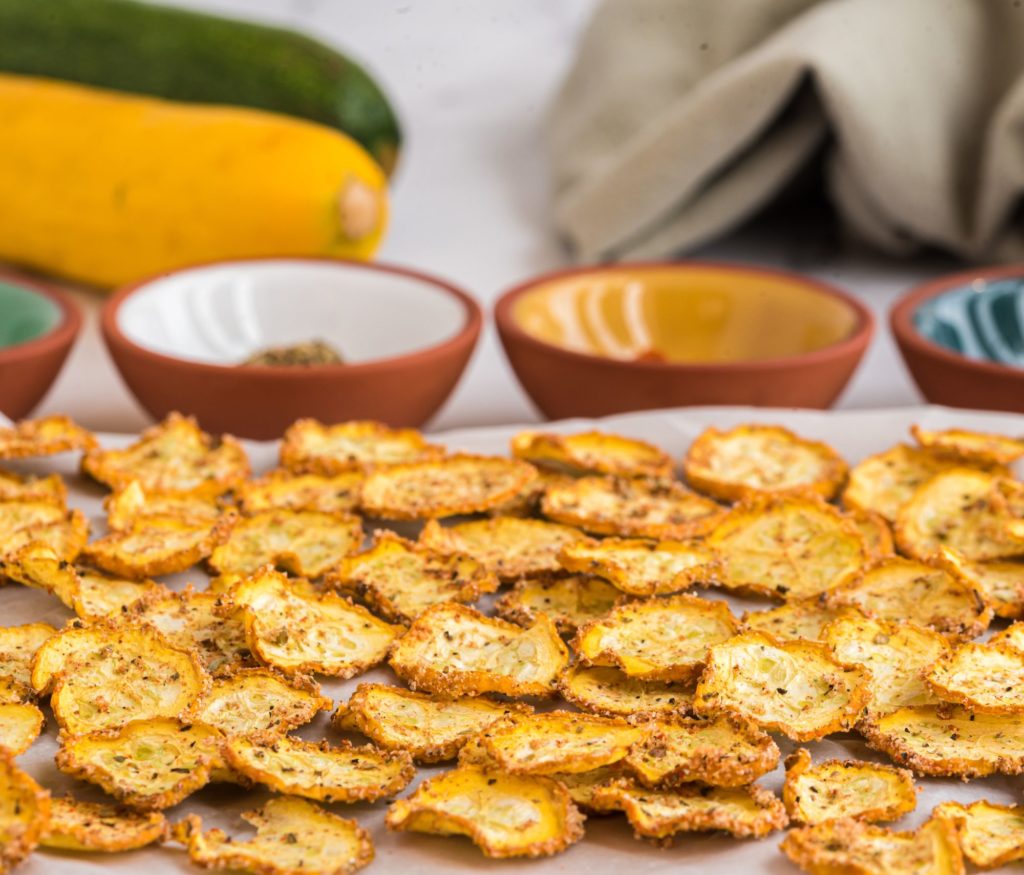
<point>681,118</point>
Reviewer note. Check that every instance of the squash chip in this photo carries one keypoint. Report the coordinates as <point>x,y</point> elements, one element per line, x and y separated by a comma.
<point>49,489</point>
<point>342,773</point>
<point>103,595</point>
<point>569,602</point>
<point>836,789</point>
<point>1000,582</point>
<point>77,825</point>
<point>786,547</point>
<point>583,786</point>
<point>990,835</point>
<point>44,437</point>
<point>875,532</point>
<point>507,546</point>
<point>608,691</point>
<point>283,490</point>
<point>20,725</point>
<point>974,446</point>
<point>173,456</point>
<point>400,579</point>
<point>794,687</point>
<point>24,813</point>
<point>659,639</point>
<point>132,503</point>
<point>528,501</point>
<point>593,452</point>
<point>756,459</point>
<point>311,447</point>
<point>306,543</point>
<point>504,815</point>
<point>147,764</point>
<point>723,752</point>
<point>1012,635</point>
<point>631,508</point>
<point>251,701</point>
<point>22,523</point>
<point>292,836</point>
<point>986,678</point>
<point>18,646</point>
<point>643,568</point>
<point>453,650</point>
<point>805,619</point>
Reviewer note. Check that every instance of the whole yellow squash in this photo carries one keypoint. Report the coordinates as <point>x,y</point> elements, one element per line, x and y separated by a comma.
<point>106,188</point>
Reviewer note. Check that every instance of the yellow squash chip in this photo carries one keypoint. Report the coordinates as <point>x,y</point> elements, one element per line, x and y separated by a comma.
<point>20,725</point>
<point>507,546</point>
<point>788,548</point>
<point>592,452</point>
<point>640,567</point>
<point>306,543</point>
<point>986,678</point>
<point>430,729</point>
<point>18,646</point>
<point>1012,635</point>
<point>974,446</point>
<point>283,490</point>
<point>631,508</point>
<point>102,595</point>
<point>528,501</point>
<point>568,601</point>
<point>311,447</point>
<point>723,752</point>
<point>990,835</point>
<point>504,815</point>
<point>131,503</point>
<point>77,825</point>
<point>22,523</point>
<point>76,640</point>
<point>342,773</point>
<point>794,687</point>
<point>836,789</point>
<point>49,489</point>
<point>172,456</point>
<point>853,847</point>
<point>658,639</point>
<point>293,837</point>
<point>148,764</point>
<point>1000,581</point>
<point>400,579</point>
<point>454,650</point>
<point>875,532</point>
<point>805,620</point>
<point>44,437</point>
<point>583,786</point>
<point>251,701</point>
<point>608,691</point>
<point>24,813</point>
<point>754,459</point>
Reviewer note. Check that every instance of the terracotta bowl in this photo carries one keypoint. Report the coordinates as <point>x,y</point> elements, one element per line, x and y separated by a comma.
<point>178,341</point>
<point>38,326</point>
<point>961,338</point>
<point>604,340</point>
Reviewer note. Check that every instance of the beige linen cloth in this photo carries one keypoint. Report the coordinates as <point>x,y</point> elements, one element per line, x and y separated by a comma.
<point>682,118</point>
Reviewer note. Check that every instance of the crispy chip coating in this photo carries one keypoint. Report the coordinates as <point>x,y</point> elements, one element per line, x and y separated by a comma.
<point>1000,581</point>
<point>306,543</point>
<point>147,764</point>
<point>18,646</point>
<point>283,490</point>
<point>23,523</point>
<point>608,691</point>
<point>794,687</point>
<point>724,752</point>
<point>311,447</point>
<point>293,837</point>
<point>133,502</point>
<point>400,579</point>
<point>752,459</point>
<point>788,548</point>
<point>50,489</point>
<point>592,452</point>
<point>875,531</point>
<point>658,639</point>
<point>44,437</point>
<point>504,815</point>
<point>24,813</point>
<point>453,650</point>
<point>805,619</point>
<point>973,446</point>
<point>990,835</point>
<point>250,701</point>
<point>984,677</point>
<point>172,456</point>
<point>569,602</point>
<point>640,567</point>
<point>342,773</point>
<point>508,546</point>
<point>77,825</point>
<point>853,847</point>
<point>631,508</point>
<point>20,725</point>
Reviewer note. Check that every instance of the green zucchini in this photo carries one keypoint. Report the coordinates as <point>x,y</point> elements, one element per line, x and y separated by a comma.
<point>189,56</point>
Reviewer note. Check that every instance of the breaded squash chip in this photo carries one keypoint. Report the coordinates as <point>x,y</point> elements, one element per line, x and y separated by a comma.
<point>24,813</point>
<point>172,456</point>
<point>18,646</point>
<point>986,678</point>
<point>306,543</point>
<point>293,837</point>
<point>528,501</point>
<point>794,687</point>
<point>147,764</point>
<point>13,693</point>
<point>1012,635</point>
<point>582,786</point>
<point>507,546</point>
<point>453,650</point>
<point>974,446</point>
<point>946,740</point>
<point>342,773</point>
<point>20,725</point>
<point>896,654</point>
<point>283,490</point>
<point>658,639</point>
<point>311,447</point>
<point>102,595</point>
<point>76,640</point>
<point>430,729</point>
<point>836,789</point>
<point>592,452</point>
<point>504,815</point>
<point>1000,581</point>
<point>631,508</point>
<point>990,835</point>
<point>454,485</point>
<point>744,812</point>
<point>805,619</point>
<point>21,523</point>
<point>786,547</point>
<point>400,579</point>
<point>131,503</point>
<point>77,825</point>
<point>875,531</point>
<point>569,602</point>
<point>852,847</point>
<point>643,568</point>
<point>49,489</point>
<point>296,631</point>
<point>259,701</point>
<point>723,752</point>
<point>44,437</point>
<point>608,691</point>
<point>754,459</point>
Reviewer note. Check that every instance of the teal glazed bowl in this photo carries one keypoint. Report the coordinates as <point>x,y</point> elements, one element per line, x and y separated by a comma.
<point>962,338</point>
<point>38,326</point>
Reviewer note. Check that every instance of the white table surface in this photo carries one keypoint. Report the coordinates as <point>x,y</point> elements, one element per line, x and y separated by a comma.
<point>472,81</point>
